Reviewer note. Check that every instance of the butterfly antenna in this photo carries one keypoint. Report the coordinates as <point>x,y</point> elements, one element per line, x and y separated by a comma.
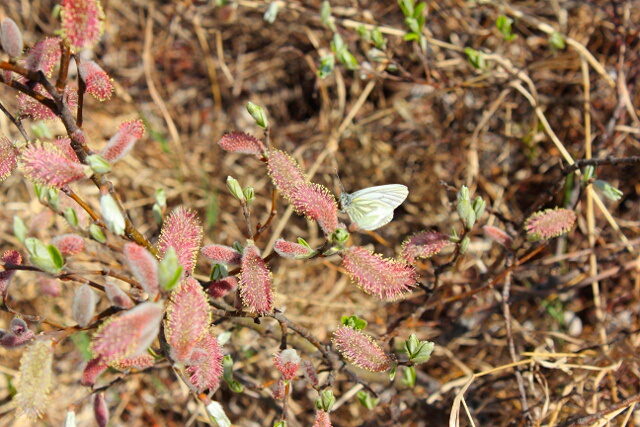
<point>340,182</point>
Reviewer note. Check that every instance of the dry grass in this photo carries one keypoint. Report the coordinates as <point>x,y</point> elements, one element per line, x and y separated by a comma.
<point>189,77</point>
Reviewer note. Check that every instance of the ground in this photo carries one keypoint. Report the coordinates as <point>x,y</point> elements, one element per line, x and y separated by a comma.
<point>566,347</point>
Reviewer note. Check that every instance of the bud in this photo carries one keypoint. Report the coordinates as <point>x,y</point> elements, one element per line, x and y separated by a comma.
<point>161,197</point>
<point>325,401</point>
<point>339,237</point>
<point>271,14</point>
<point>479,205</point>
<point>287,362</point>
<point>112,215</point>
<point>588,173</point>
<point>18,326</point>
<point>249,195</point>
<point>465,211</point>
<point>11,38</point>
<point>258,115</point>
<point>156,210</point>
<point>84,305</point>
<point>70,419</point>
<point>217,415</point>
<point>464,245</point>
<point>98,164</point>
<point>418,351</point>
<point>234,188</point>
<point>101,410</point>
<point>97,234</point>
<point>116,296</point>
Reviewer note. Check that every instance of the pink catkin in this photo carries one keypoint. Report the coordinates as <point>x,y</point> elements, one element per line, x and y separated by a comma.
<point>285,172</point>
<point>291,250</point>
<point>207,374</point>
<point>424,245</point>
<point>287,362</point>
<point>69,244</point>
<point>322,419</point>
<point>183,232</point>
<point>221,254</point>
<point>256,282</point>
<point>316,202</point>
<point>144,267</point>
<point>500,236</point>
<point>127,334</point>
<point>240,142</point>
<point>9,257</point>
<point>124,139</point>
<point>8,158</point>
<point>549,223</point>
<point>48,166</point>
<point>63,143</point>
<point>360,349</point>
<point>219,288</point>
<point>95,367</point>
<point>97,82</point>
<point>44,56</point>
<point>188,316</point>
<point>383,278</point>
<point>82,23</point>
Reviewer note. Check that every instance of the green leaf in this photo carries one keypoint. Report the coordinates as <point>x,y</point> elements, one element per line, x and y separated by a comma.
<point>56,256</point>
<point>169,270</point>
<point>82,341</point>
<point>409,376</point>
<point>366,400</point>
<point>19,228</point>
<point>348,59</point>
<point>97,234</point>
<point>42,257</point>
<point>364,33</point>
<point>98,163</point>
<point>556,40</point>
<point>354,322</point>
<point>475,58</point>
<point>406,6</point>
<point>71,216</point>
<point>378,39</point>
<point>327,64</point>
<point>272,13</point>
<point>218,272</point>
<point>608,190</point>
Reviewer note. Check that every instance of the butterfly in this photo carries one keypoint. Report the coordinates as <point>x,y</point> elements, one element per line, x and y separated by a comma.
<point>372,207</point>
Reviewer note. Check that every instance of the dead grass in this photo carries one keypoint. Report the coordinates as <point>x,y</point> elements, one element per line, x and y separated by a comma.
<point>418,127</point>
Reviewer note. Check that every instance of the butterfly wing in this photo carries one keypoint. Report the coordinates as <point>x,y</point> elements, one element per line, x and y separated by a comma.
<point>373,207</point>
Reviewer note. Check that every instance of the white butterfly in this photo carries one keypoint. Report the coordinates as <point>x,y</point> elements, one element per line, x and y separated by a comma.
<point>373,207</point>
